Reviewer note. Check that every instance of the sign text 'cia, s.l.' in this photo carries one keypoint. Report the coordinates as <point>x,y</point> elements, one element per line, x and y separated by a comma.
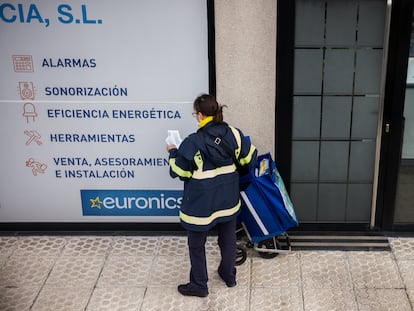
<point>30,13</point>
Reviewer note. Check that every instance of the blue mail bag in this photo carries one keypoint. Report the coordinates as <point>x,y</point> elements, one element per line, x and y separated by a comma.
<point>267,210</point>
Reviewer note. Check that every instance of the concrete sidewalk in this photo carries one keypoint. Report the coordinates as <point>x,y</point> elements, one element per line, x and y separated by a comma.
<point>142,273</point>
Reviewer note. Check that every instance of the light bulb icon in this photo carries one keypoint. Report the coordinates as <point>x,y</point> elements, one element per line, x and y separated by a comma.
<point>29,111</point>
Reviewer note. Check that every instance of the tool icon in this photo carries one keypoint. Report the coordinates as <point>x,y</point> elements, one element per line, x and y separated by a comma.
<point>33,136</point>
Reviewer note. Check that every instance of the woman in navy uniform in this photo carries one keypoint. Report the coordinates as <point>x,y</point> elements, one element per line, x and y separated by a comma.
<point>211,195</point>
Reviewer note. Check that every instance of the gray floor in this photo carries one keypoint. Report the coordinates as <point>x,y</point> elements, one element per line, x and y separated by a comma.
<point>142,273</point>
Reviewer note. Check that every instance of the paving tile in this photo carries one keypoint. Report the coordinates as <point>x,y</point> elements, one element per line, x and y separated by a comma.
<point>169,271</point>
<point>87,246</point>
<point>125,271</point>
<point>214,280</point>
<point>39,246</point>
<point>75,271</point>
<point>325,269</point>
<point>329,298</point>
<point>143,272</point>
<point>27,271</point>
<point>212,248</point>
<point>410,293</point>
<point>251,253</point>
<point>282,270</point>
<point>3,260</point>
<point>62,299</point>
<point>135,246</point>
<point>374,270</point>
<point>382,299</point>
<point>219,299</point>
<point>17,298</point>
<point>168,298</point>
<point>276,298</point>
<point>7,245</point>
<point>226,299</point>
<point>245,243</point>
<point>403,248</point>
<point>118,298</point>
<point>407,272</point>
<point>173,246</point>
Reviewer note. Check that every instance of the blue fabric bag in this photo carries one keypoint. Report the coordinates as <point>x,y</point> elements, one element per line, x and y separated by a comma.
<point>267,210</point>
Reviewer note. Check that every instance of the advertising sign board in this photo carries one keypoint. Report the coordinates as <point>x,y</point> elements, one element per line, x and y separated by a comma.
<point>88,92</point>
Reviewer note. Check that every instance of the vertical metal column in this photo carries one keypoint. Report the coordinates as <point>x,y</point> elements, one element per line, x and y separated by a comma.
<point>380,114</point>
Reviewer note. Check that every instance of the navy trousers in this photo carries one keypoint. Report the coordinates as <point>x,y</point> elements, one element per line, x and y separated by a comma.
<point>227,243</point>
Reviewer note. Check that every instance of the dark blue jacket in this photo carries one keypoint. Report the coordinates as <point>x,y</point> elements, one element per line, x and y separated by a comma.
<point>211,182</point>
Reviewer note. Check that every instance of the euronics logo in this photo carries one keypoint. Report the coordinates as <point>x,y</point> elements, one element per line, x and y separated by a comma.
<point>131,202</point>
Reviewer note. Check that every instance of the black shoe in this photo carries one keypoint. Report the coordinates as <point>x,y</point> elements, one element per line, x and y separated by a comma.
<point>229,284</point>
<point>186,290</point>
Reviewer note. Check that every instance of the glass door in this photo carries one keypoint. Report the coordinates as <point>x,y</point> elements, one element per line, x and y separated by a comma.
<point>404,204</point>
<point>338,61</point>
<point>341,99</point>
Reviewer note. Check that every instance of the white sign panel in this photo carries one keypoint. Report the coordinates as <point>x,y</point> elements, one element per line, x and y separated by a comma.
<point>88,92</point>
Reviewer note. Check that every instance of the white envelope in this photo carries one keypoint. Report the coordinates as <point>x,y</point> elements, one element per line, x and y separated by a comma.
<point>173,138</point>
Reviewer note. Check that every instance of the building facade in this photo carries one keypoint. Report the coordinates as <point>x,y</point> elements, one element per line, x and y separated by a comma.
<point>325,86</point>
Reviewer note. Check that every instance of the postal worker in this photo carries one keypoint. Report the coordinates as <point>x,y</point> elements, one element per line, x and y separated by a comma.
<point>205,161</point>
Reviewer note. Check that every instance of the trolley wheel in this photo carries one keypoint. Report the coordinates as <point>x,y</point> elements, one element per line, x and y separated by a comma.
<point>241,255</point>
<point>269,244</point>
<point>240,233</point>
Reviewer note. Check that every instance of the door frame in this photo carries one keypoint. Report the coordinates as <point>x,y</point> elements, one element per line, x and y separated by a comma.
<point>393,117</point>
<point>285,42</point>
<point>391,121</point>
